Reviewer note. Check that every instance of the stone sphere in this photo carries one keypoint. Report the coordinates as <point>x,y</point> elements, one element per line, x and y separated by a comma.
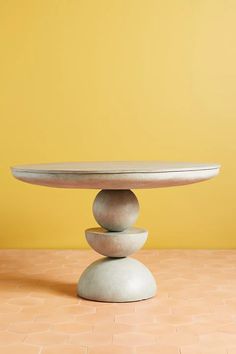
<point>115,210</point>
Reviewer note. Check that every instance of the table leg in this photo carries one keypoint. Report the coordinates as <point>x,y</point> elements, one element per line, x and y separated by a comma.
<point>116,277</point>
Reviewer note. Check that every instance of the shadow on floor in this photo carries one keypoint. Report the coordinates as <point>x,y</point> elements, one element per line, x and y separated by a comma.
<point>18,283</point>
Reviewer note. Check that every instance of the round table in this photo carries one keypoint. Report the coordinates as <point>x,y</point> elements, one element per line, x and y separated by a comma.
<point>116,277</point>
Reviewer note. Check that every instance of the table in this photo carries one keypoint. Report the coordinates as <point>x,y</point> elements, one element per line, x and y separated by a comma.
<point>116,277</point>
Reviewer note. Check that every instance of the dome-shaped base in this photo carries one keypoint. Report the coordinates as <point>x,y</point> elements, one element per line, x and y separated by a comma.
<point>116,280</point>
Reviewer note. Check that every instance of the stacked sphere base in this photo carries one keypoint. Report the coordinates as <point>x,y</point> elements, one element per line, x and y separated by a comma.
<point>116,277</point>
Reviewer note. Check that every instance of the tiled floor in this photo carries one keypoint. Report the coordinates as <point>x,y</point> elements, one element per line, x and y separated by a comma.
<point>194,311</point>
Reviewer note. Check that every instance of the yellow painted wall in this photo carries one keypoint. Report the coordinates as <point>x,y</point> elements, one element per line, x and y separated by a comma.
<point>118,80</point>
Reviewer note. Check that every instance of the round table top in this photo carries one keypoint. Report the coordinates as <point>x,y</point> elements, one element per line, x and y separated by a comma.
<point>115,174</point>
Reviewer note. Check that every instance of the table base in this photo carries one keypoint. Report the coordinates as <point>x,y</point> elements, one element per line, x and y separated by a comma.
<point>116,280</point>
<point>116,277</point>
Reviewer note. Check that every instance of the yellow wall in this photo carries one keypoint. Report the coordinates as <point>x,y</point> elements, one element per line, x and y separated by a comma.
<point>114,80</point>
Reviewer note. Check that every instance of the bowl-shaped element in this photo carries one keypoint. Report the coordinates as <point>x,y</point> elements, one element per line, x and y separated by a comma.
<point>116,244</point>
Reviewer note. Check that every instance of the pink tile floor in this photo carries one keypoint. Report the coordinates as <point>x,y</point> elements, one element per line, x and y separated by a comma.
<point>193,313</point>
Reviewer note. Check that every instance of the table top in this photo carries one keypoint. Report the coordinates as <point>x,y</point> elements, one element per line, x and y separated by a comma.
<point>115,174</point>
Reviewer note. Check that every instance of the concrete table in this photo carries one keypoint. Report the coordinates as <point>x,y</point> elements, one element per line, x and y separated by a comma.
<point>116,277</point>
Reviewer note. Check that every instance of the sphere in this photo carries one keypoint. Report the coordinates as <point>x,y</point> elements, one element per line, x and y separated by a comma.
<point>116,244</point>
<point>116,280</point>
<point>115,210</point>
